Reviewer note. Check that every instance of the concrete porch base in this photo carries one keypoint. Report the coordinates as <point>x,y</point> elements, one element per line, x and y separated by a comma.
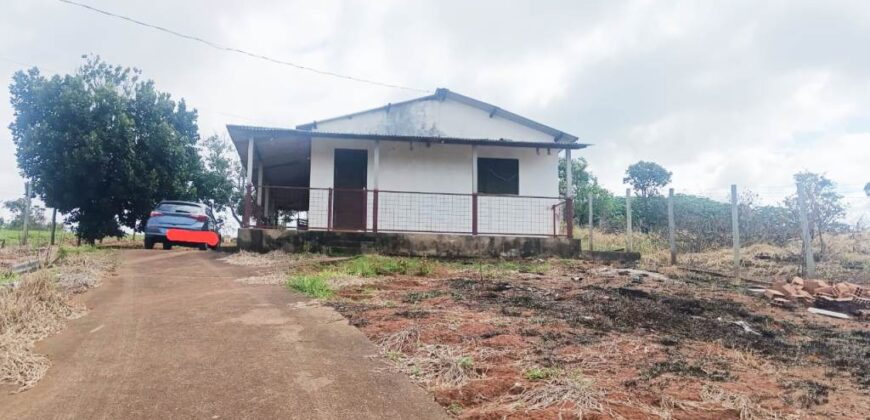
<point>406,244</point>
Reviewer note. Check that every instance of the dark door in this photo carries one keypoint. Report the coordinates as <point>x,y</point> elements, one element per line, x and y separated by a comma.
<point>349,202</point>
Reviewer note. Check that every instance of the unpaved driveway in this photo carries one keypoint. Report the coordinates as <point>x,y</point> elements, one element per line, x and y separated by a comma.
<point>173,336</point>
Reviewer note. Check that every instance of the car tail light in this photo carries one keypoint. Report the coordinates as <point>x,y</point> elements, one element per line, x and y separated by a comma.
<point>156,213</point>
<point>201,218</point>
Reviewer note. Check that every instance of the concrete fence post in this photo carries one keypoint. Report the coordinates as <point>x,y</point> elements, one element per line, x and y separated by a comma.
<point>735,231</point>
<point>672,228</point>
<point>591,222</point>
<point>810,268</point>
<point>26,216</point>
<point>628,235</point>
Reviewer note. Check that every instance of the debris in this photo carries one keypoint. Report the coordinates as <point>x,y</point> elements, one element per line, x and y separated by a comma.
<point>746,327</point>
<point>828,313</point>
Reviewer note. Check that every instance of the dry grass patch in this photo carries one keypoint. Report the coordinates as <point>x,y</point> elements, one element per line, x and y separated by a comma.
<point>571,392</point>
<point>29,312</point>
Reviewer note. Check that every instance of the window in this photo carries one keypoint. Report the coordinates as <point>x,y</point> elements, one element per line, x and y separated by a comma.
<point>498,176</point>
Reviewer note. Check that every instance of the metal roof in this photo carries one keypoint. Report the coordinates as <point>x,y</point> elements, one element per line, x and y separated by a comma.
<point>441,94</point>
<point>241,132</point>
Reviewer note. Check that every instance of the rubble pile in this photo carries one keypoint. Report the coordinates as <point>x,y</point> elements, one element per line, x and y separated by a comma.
<point>845,297</point>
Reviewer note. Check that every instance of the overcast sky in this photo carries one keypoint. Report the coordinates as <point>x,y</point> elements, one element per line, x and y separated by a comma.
<point>744,92</point>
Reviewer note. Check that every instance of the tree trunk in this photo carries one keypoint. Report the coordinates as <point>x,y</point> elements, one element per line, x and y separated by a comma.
<point>824,250</point>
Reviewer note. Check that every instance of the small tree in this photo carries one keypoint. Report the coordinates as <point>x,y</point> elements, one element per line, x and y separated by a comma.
<point>824,205</point>
<point>35,220</point>
<point>646,178</point>
<point>223,176</point>
<point>867,189</point>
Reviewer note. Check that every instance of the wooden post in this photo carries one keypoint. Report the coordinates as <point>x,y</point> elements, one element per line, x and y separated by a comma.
<point>569,195</point>
<point>329,210</point>
<point>735,231</point>
<point>805,233</point>
<point>474,190</point>
<point>591,221</point>
<point>376,169</point>
<point>26,216</point>
<point>672,234</point>
<point>54,224</point>
<point>629,240</point>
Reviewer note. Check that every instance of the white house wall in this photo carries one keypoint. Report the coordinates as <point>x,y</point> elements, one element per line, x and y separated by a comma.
<point>435,118</point>
<point>441,168</point>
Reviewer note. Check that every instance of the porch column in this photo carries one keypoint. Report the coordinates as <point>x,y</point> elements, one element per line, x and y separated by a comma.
<point>249,181</point>
<point>266,213</point>
<point>260,184</point>
<point>569,198</point>
<point>376,169</point>
<point>474,189</point>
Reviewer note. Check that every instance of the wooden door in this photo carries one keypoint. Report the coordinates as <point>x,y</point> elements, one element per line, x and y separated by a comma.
<point>350,201</point>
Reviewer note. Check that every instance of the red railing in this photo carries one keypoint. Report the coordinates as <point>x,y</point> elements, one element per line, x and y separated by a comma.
<point>339,209</point>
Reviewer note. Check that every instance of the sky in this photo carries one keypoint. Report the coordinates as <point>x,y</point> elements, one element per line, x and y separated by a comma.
<point>719,93</point>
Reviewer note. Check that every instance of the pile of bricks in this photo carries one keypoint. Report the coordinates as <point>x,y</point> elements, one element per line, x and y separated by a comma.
<point>844,296</point>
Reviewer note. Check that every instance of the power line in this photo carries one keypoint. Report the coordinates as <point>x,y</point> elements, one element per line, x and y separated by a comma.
<point>243,52</point>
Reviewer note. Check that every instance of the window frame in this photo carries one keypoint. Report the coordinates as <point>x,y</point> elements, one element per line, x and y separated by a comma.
<point>485,186</point>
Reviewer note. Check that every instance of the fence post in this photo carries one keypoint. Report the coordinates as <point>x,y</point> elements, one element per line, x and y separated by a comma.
<point>329,210</point>
<point>805,232</point>
<point>54,224</point>
<point>629,239</point>
<point>375,211</point>
<point>591,222</point>
<point>569,217</point>
<point>735,231</point>
<point>26,216</point>
<point>672,240</point>
<point>247,216</point>
<point>474,214</point>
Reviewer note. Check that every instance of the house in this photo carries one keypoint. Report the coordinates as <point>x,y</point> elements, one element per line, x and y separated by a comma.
<point>442,164</point>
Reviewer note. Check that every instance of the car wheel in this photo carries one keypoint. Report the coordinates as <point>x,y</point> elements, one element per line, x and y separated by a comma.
<point>167,245</point>
<point>149,243</point>
<point>203,247</point>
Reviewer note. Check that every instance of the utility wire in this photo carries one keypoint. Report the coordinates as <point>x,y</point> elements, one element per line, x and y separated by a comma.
<point>243,52</point>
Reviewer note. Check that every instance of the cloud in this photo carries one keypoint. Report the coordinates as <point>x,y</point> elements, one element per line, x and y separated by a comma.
<point>719,93</point>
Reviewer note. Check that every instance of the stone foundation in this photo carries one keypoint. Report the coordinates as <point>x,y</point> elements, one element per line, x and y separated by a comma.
<point>407,244</point>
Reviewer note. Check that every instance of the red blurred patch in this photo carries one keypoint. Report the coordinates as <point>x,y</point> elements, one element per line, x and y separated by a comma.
<point>193,236</point>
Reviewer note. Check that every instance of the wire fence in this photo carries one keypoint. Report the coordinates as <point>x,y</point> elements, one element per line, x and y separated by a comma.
<point>407,211</point>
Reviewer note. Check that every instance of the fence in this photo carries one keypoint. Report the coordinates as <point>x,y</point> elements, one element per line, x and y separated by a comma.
<point>338,209</point>
<point>680,224</point>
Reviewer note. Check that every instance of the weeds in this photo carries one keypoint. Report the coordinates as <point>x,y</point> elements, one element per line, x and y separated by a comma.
<point>539,374</point>
<point>374,266</point>
<point>567,391</point>
<point>314,285</point>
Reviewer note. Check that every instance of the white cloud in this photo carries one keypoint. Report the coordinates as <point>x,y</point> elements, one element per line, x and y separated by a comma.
<point>739,92</point>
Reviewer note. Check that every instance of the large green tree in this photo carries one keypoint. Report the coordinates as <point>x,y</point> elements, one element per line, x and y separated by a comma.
<point>223,177</point>
<point>103,146</point>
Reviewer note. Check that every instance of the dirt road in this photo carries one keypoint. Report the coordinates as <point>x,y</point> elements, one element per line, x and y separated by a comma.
<point>173,336</point>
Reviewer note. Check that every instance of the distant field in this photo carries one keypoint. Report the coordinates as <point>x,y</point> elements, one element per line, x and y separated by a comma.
<point>34,237</point>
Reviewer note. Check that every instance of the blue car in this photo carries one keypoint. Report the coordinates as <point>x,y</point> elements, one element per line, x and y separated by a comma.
<point>184,215</point>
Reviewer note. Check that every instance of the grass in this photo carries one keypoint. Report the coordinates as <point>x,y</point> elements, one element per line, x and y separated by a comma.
<point>540,374</point>
<point>376,265</point>
<point>314,285</point>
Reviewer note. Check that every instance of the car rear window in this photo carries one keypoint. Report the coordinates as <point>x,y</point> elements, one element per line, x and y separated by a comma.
<point>179,208</point>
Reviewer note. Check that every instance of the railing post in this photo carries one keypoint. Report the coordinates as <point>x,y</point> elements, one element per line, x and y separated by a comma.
<point>375,211</point>
<point>569,217</point>
<point>474,214</point>
<point>247,216</point>
<point>329,211</point>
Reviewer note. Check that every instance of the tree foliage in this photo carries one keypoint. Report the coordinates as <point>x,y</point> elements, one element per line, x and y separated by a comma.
<point>867,189</point>
<point>35,220</point>
<point>223,176</point>
<point>825,206</point>
<point>646,178</point>
<point>103,146</point>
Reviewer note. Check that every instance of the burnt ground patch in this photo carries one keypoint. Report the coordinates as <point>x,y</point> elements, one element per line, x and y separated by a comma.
<point>678,318</point>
